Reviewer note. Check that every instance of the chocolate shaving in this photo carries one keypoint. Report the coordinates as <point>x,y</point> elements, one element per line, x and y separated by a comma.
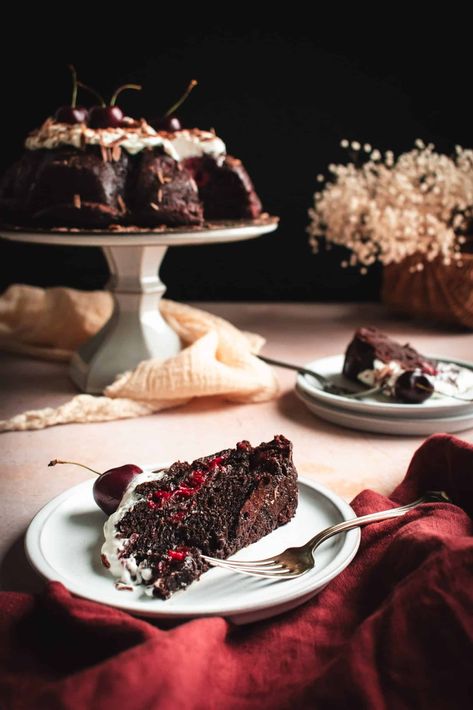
<point>116,152</point>
<point>160,195</point>
<point>123,587</point>
<point>154,206</point>
<point>77,201</point>
<point>121,204</point>
<point>105,561</point>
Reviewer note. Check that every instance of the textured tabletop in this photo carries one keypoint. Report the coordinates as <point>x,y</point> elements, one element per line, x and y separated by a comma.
<point>346,461</point>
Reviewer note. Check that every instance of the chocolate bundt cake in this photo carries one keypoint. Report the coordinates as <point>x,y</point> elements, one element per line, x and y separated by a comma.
<point>73,175</point>
<point>215,506</point>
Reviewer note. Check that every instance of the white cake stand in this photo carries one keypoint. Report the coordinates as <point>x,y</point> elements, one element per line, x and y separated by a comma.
<point>136,330</point>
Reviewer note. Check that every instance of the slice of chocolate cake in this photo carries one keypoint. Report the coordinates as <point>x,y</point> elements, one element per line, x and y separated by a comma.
<point>160,191</point>
<point>371,351</point>
<point>215,506</point>
<point>225,188</point>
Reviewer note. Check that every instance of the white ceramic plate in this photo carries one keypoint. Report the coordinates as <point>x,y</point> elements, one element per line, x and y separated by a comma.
<point>377,405</point>
<point>226,231</point>
<point>64,539</point>
<point>380,424</point>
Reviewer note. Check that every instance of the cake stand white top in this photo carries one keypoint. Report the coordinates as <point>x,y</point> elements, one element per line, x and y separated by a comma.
<point>217,232</point>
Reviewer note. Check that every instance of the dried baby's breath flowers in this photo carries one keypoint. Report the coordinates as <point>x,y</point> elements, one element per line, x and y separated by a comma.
<point>386,209</point>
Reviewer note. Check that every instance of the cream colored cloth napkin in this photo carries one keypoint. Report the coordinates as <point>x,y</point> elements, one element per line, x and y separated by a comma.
<point>217,358</point>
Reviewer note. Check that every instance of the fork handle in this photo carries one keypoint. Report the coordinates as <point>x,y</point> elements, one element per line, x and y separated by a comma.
<point>289,366</point>
<point>429,497</point>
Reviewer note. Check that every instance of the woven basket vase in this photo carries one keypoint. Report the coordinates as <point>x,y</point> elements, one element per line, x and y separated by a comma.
<point>438,292</point>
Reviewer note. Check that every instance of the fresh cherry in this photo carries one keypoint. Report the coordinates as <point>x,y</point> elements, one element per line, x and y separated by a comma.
<point>412,387</point>
<point>72,113</point>
<point>110,116</point>
<point>170,122</point>
<point>106,117</point>
<point>110,486</point>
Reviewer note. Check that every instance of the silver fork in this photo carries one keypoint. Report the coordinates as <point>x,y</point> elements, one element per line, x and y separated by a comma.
<point>296,561</point>
<point>326,384</point>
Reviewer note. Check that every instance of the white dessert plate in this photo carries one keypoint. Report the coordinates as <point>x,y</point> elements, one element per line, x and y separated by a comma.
<point>378,405</point>
<point>64,540</point>
<point>381,424</point>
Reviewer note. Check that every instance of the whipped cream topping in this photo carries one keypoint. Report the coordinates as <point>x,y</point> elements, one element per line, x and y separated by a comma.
<point>192,142</point>
<point>126,568</point>
<point>133,136</point>
<point>450,379</point>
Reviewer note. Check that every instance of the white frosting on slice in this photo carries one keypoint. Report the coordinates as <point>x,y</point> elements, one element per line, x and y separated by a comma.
<point>450,379</point>
<point>126,567</point>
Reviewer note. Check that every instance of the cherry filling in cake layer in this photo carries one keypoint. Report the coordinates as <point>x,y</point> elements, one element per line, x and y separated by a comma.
<point>215,506</point>
<point>72,175</point>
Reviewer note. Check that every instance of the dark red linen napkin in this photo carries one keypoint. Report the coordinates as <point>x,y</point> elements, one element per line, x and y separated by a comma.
<point>394,630</point>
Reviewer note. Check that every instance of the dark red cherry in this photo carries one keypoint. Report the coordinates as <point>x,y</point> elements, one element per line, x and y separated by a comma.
<point>170,123</point>
<point>413,388</point>
<point>105,117</point>
<point>71,114</point>
<point>110,116</point>
<point>110,486</point>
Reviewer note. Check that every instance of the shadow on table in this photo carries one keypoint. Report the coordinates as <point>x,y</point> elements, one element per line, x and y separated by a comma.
<point>16,573</point>
<point>291,407</point>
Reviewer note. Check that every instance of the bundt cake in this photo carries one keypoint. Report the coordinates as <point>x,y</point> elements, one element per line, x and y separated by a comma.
<point>79,175</point>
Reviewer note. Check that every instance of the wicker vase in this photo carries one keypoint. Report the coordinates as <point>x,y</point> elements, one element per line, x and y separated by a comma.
<point>438,292</point>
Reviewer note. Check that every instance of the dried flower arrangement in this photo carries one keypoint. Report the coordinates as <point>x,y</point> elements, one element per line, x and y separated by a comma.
<point>388,210</point>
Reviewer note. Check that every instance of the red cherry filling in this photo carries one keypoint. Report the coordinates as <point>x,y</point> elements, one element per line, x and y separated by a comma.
<point>188,488</point>
<point>217,461</point>
<point>178,555</point>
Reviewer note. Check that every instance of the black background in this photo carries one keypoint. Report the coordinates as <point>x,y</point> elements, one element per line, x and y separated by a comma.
<point>281,95</point>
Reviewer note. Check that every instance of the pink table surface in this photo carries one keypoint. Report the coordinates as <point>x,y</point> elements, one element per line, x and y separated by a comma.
<point>346,461</point>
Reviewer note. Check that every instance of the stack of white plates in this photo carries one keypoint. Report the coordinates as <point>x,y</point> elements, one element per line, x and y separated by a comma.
<point>378,413</point>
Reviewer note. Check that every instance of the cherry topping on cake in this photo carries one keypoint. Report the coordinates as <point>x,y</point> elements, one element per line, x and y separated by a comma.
<point>170,122</point>
<point>413,388</point>
<point>72,113</point>
<point>110,116</point>
<point>110,485</point>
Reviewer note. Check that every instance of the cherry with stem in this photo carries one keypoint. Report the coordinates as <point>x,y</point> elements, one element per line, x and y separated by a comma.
<point>111,115</point>
<point>110,485</point>
<point>72,113</point>
<point>170,122</point>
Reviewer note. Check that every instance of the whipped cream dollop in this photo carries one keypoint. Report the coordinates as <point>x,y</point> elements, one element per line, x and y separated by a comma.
<point>450,379</point>
<point>126,568</point>
<point>133,136</point>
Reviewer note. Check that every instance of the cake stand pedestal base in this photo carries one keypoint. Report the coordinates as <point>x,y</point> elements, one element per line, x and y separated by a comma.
<point>136,330</point>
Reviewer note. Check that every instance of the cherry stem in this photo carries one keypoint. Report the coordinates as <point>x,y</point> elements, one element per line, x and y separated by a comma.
<point>73,463</point>
<point>74,85</point>
<point>91,91</point>
<point>180,101</point>
<point>136,87</point>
